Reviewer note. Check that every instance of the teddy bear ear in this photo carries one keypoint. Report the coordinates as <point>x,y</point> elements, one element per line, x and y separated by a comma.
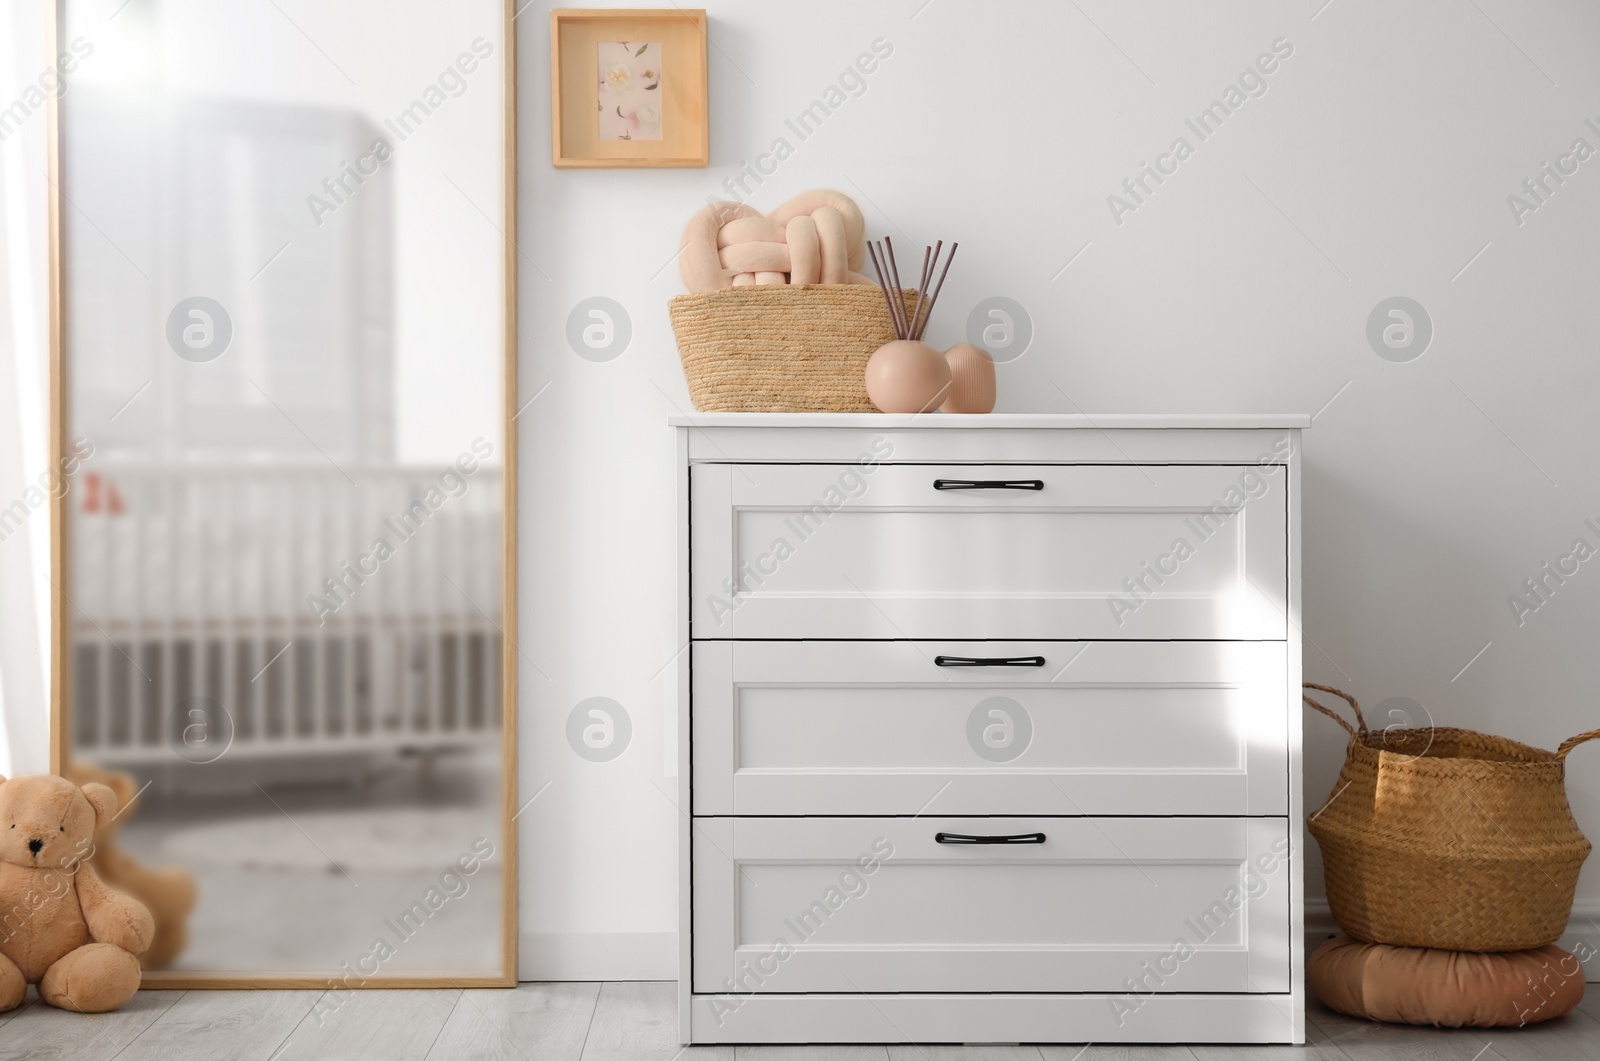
<point>122,785</point>
<point>104,802</point>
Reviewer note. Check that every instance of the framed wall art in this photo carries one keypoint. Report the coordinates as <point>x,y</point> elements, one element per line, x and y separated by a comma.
<point>628,88</point>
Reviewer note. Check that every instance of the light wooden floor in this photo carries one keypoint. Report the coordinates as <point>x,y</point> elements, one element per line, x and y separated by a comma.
<point>636,1022</point>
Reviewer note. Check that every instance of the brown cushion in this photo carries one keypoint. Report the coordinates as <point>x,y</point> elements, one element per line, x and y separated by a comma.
<point>1451,989</point>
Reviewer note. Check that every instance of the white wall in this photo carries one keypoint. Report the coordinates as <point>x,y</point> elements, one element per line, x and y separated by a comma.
<point>1377,163</point>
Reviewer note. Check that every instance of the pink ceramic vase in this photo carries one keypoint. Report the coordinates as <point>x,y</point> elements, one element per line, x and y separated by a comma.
<point>907,376</point>
<point>971,380</point>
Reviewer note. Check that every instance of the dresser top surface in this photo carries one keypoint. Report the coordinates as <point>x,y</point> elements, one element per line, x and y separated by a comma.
<point>992,421</point>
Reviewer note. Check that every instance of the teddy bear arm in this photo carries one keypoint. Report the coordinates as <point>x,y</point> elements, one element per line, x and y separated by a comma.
<point>113,917</point>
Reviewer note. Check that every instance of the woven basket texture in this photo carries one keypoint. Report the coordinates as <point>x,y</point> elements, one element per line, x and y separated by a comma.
<point>781,348</point>
<point>1449,838</point>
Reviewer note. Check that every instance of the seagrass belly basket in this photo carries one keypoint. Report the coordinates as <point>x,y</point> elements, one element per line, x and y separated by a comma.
<point>1449,838</point>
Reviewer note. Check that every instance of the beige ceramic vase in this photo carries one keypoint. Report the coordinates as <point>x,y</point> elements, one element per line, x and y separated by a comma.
<point>908,376</point>
<point>971,380</point>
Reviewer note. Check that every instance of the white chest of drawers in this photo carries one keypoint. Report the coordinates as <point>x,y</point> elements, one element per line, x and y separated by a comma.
<point>989,729</point>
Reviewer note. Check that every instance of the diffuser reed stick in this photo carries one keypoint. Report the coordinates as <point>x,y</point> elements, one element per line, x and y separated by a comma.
<point>922,289</point>
<point>917,318</point>
<point>883,285</point>
<point>888,273</point>
<point>905,326</point>
<point>940,287</point>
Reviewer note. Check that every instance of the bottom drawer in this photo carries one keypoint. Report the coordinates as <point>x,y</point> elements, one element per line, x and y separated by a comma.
<point>785,905</point>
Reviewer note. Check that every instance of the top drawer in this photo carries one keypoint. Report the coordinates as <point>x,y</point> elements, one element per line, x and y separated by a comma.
<point>928,551</point>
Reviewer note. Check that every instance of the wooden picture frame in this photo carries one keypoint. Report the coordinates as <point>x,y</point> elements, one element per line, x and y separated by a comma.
<point>60,571</point>
<point>629,127</point>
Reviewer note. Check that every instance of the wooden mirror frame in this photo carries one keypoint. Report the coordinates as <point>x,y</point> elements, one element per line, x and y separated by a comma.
<point>60,575</point>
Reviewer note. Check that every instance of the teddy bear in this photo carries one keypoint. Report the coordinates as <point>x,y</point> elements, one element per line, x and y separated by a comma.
<point>61,926</point>
<point>169,893</point>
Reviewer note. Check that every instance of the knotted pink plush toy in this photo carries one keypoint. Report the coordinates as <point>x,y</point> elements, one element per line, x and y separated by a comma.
<point>818,237</point>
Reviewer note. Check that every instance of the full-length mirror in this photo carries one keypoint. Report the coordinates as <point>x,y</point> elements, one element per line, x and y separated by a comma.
<point>283,599</point>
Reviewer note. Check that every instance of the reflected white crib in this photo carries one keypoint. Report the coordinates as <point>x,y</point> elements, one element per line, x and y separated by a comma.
<point>200,583</point>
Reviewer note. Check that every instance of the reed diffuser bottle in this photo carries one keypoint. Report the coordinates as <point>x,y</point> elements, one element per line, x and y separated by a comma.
<point>906,375</point>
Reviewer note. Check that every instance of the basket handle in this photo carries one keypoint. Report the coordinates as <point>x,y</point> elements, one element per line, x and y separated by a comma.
<point>1572,742</point>
<point>1361,721</point>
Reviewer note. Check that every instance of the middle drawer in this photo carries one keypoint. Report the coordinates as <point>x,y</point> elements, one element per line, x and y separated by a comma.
<point>902,727</point>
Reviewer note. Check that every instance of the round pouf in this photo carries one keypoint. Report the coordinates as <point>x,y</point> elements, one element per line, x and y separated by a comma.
<point>1450,989</point>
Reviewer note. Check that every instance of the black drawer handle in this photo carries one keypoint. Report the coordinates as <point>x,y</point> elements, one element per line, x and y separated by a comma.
<point>988,661</point>
<point>964,838</point>
<point>988,484</point>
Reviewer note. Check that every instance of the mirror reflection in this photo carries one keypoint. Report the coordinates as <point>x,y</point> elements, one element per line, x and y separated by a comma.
<point>284,292</point>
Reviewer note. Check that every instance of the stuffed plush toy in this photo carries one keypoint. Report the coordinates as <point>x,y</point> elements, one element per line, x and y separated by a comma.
<point>818,237</point>
<point>61,927</point>
<point>169,894</point>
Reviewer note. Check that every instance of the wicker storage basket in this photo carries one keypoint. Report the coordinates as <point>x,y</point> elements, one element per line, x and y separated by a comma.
<point>781,348</point>
<point>1449,838</point>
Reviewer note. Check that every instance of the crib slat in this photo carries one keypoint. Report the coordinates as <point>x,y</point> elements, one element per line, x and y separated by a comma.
<point>197,497</point>
<point>466,614</point>
<point>108,604</point>
<point>135,512</point>
<point>436,628</point>
<point>319,685</point>
<point>360,610</point>
<point>167,695</point>
<point>230,620</point>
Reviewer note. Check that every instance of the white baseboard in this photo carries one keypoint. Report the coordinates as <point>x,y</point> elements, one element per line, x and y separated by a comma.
<point>1319,921</point>
<point>1582,936</point>
<point>598,956</point>
<point>654,955</point>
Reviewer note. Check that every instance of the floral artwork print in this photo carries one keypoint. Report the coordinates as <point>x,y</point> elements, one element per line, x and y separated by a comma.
<point>629,105</point>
